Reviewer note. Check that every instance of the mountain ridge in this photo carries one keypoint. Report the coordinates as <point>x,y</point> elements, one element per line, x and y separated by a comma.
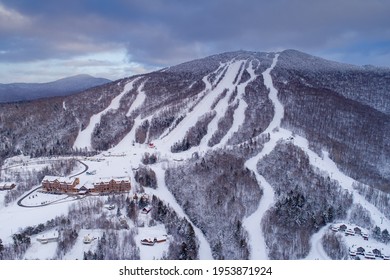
<point>66,86</point>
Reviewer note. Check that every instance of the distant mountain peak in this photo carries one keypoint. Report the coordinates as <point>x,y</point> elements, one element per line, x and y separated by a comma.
<point>65,86</point>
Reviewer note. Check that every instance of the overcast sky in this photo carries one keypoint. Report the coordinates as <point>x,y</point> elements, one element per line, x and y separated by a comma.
<point>44,40</point>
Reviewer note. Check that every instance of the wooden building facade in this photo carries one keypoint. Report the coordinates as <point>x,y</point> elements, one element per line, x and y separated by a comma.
<point>60,184</point>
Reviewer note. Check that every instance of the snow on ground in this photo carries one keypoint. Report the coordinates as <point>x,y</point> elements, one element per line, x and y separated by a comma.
<point>317,251</point>
<point>325,163</point>
<point>354,242</point>
<point>40,198</point>
<point>239,113</point>
<point>84,137</point>
<point>139,100</point>
<point>164,194</point>
<point>351,242</point>
<point>16,160</point>
<point>158,249</point>
<point>126,143</point>
<point>13,218</point>
<point>252,223</point>
<point>203,106</point>
<point>125,158</point>
<point>40,251</point>
<point>2,196</point>
<point>77,251</point>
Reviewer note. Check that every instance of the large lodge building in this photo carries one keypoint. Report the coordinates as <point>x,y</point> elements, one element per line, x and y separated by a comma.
<point>98,186</point>
<point>60,184</point>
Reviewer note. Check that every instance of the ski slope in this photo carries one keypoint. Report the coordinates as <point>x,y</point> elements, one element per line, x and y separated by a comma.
<point>83,139</point>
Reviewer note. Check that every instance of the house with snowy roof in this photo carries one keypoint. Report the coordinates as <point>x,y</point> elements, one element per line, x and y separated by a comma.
<point>4,186</point>
<point>48,237</point>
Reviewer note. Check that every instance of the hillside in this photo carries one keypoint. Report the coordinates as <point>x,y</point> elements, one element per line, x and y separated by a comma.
<point>30,91</point>
<point>247,155</point>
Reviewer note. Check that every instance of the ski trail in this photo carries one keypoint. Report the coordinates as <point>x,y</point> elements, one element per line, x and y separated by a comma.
<point>129,139</point>
<point>208,87</point>
<point>239,113</point>
<point>203,105</point>
<point>163,193</point>
<point>317,250</point>
<point>252,223</point>
<point>139,100</point>
<point>273,95</point>
<point>220,110</point>
<point>326,164</point>
<point>83,139</point>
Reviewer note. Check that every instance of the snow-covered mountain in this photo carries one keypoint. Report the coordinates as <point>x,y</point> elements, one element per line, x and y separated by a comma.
<point>66,86</point>
<point>248,155</point>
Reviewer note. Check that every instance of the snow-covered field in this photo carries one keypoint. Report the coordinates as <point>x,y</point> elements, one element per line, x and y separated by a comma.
<point>156,251</point>
<point>40,251</point>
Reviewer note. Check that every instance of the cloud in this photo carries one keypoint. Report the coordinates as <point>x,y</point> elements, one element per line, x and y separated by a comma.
<point>11,20</point>
<point>159,33</point>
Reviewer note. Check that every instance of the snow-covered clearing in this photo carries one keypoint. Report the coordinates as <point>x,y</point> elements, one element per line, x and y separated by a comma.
<point>156,251</point>
<point>13,218</point>
<point>40,251</point>
<point>77,251</point>
<point>40,199</point>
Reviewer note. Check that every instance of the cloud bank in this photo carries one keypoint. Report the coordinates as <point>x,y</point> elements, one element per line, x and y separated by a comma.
<point>156,33</point>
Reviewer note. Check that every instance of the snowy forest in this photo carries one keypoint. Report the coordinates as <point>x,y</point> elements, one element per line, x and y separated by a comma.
<point>240,155</point>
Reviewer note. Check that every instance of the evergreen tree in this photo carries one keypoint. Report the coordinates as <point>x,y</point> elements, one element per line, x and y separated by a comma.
<point>376,233</point>
<point>385,236</point>
<point>1,249</point>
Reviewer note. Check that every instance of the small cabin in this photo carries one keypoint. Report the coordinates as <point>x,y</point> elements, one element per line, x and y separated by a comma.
<point>161,239</point>
<point>151,242</point>
<point>88,239</point>
<point>349,232</point>
<point>48,238</point>
<point>369,255</point>
<point>148,242</point>
<point>352,253</point>
<point>334,228</point>
<point>5,186</point>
